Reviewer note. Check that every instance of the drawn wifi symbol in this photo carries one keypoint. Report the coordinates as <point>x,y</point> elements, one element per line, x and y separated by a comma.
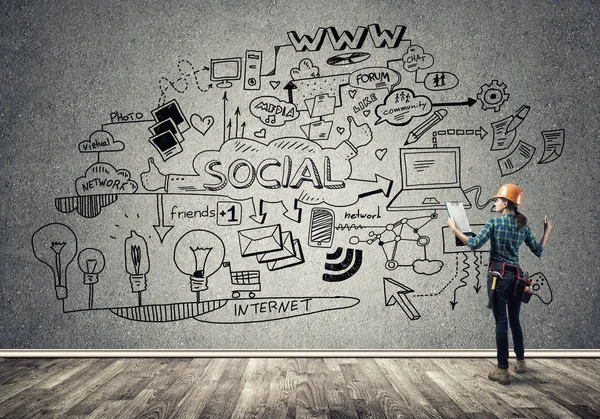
<point>339,269</point>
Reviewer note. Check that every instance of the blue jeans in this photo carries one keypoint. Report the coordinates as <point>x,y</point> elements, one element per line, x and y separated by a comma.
<point>505,301</point>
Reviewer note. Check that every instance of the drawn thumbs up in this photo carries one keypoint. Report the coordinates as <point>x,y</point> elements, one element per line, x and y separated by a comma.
<point>152,179</point>
<point>360,135</point>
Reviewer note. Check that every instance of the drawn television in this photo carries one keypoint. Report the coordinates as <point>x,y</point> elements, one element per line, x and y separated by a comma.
<point>223,70</point>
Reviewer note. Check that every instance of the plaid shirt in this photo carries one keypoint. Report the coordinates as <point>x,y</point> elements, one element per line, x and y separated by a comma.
<point>505,239</point>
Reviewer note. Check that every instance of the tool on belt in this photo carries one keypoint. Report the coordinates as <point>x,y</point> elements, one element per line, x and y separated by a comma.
<point>495,275</point>
<point>522,288</point>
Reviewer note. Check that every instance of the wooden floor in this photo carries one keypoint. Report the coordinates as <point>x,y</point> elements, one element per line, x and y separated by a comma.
<point>294,387</point>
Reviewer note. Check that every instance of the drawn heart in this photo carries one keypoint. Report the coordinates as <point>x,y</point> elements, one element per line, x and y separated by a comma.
<point>352,93</point>
<point>341,130</point>
<point>380,153</point>
<point>261,134</point>
<point>202,125</point>
<point>366,113</point>
<point>274,84</point>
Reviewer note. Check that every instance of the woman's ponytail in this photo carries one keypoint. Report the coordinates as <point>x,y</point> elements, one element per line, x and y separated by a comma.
<point>519,218</point>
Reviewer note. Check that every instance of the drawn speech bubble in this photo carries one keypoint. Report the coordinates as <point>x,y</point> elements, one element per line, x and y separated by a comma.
<point>372,78</point>
<point>400,106</point>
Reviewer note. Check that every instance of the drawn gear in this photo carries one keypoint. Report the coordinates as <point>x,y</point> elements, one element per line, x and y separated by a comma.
<point>511,192</point>
<point>492,95</point>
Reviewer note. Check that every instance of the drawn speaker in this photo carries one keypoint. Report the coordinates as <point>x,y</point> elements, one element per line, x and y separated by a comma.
<point>339,267</point>
<point>252,70</point>
<point>322,221</point>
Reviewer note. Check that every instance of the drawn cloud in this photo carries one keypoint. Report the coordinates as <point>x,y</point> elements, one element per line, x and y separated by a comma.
<point>102,178</point>
<point>100,141</point>
<point>305,70</point>
<point>427,267</point>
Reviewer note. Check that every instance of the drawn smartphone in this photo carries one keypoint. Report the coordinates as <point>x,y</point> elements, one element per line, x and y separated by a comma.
<point>321,229</point>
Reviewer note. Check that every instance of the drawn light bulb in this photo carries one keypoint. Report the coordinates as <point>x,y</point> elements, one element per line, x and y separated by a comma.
<point>137,263</point>
<point>56,246</point>
<point>199,254</point>
<point>91,263</point>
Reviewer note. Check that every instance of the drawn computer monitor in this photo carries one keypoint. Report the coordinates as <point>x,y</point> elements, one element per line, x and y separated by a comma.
<point>223,70</point>
<point>430,178</point>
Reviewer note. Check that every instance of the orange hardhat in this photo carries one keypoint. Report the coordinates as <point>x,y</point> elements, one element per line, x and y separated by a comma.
<point>511,192</point>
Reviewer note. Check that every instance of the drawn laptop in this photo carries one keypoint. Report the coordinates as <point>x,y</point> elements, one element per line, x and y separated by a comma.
<point>430,178</point>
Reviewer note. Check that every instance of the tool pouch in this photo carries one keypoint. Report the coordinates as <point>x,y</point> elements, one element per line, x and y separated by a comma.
<point>527,293</point>
<point>522,287</point>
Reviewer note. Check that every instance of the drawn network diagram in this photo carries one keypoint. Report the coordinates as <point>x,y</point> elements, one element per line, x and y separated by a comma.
<point>329,146</point>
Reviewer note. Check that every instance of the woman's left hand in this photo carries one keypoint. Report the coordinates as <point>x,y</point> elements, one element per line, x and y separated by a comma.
<point>451,223</point>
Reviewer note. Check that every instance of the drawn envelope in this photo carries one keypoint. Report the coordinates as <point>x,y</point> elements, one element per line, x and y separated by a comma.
<point>260,240</point>
<point>287,250</point>
<point>288,262</point>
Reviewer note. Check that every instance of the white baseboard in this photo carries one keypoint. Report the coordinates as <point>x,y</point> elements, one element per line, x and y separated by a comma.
<point>413,353</point>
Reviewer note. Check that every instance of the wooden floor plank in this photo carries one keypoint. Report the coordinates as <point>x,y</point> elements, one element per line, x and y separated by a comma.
<point>199,395</point>
<point>281,401</point>
<point>63,397</point>
<point>127,409</point>
<point>256,384</point>
<point>361,392</point>
<point>227,391</point>
<point>576,370</point>
<point>38,377</point>
<point>392,402</point>
<point>567,389</point>
<point>406,389</point>
<point>439,400</point>
<point>337,395</point>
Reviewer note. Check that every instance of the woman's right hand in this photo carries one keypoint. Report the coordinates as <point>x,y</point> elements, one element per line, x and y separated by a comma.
<point>547,224</point>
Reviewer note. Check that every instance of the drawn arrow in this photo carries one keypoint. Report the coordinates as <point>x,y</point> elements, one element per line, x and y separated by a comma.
<point>237,114</point>
<point>383,185</point>
<point>396,293</point>
<point>224,114</point>
<point>161,229</point>
<point>294,214</point>
<point>477,265</point>
<point>469,102</point>
<point>243,127</point>
<point>464,284</point>
<point>289,87</point>
<point>481,132</point>
<point>229,130</point>
<point>258,216</point>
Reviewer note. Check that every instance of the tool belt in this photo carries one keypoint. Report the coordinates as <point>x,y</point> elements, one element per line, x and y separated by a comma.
<point>522,287</point>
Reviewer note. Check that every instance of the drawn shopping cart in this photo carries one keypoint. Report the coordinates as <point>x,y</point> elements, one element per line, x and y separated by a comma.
<point>243,281</point>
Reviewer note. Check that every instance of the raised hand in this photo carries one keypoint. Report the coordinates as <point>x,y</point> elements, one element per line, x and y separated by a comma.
<point>153,179</point>
<point>360,135</point>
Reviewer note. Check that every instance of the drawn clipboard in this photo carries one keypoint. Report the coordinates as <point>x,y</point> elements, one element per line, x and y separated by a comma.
<point>456,210</point>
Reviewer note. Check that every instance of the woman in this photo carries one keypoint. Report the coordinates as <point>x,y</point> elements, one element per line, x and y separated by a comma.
<point>506,234</point>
